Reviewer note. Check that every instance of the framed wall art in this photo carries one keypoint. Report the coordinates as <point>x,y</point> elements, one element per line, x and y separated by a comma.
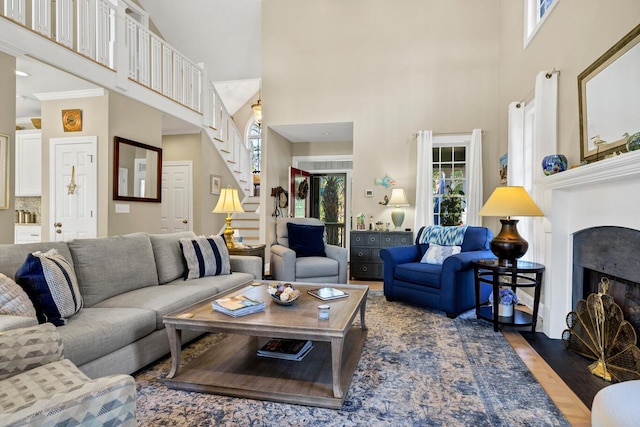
<point>215,183</point>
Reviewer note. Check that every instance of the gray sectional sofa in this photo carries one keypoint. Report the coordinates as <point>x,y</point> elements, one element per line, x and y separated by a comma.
<point>128,284</point>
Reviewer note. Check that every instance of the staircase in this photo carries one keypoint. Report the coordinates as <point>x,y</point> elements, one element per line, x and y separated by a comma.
<point>247,224</point>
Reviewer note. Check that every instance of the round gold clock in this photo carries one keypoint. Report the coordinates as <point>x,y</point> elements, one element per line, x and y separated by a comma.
<point>72,120</point>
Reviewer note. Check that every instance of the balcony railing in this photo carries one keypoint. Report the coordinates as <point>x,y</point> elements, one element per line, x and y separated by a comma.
<point>103,32</point>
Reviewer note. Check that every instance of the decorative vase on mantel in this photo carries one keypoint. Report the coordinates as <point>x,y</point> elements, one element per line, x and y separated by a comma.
<point>554,163</point>
<point>633,141</point>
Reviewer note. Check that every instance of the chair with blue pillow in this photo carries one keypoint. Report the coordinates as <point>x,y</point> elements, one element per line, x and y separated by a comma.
<point>436,271</point>
<point>300,253</point>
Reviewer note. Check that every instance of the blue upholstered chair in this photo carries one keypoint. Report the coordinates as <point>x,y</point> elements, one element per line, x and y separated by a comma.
<point>444,282</point>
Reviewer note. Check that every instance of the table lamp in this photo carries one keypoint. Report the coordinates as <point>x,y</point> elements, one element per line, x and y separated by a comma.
<point>228,203</point>
<point>398,198</point>
<point>509,201</point>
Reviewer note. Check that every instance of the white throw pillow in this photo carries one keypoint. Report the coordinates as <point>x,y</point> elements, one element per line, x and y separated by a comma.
<point>436,254</point>
<point>14,301</point>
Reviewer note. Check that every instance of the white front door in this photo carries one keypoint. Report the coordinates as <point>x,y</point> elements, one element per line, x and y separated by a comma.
<point>73,188</point>
<point>176,209</point>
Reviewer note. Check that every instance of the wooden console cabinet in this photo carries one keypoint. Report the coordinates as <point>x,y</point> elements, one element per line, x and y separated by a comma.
<point>364,258</point>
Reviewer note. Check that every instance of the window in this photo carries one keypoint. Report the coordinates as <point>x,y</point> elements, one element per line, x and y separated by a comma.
<point>449,184</point>
<point>535,13</point>
<point>254,143</point>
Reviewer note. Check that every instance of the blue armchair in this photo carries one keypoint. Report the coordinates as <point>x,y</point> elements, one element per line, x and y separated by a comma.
<point>448,286</point>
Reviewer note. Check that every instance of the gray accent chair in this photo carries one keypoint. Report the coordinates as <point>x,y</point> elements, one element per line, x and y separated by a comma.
<point>285,266</point>
<point>38,386</point>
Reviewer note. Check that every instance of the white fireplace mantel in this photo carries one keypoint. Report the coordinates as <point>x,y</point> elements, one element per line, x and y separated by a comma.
<point>605,193</point>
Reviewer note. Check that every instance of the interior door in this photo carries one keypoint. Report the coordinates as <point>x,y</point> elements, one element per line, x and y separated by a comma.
<point>73,188</point>
<point>299,193</point>
<point>176,209</point>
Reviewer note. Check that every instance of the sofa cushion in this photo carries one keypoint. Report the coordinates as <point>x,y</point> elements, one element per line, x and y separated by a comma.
<point>95,332</point>
<point>316,267</point>
<point>168,254</point>
<point>14,301</point>
<point>177,294</point>
<point>12,256</point>
<point>476,239</point>
<point>109,266</point>
<point>436,254</point>
<point>51,283</point>
<point>419,273</point>
<point>39,384</point>
<point>205,256</point>
<point>306,240</point>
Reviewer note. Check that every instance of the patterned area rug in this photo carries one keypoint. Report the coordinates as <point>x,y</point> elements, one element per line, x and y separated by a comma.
<point>418,368</point>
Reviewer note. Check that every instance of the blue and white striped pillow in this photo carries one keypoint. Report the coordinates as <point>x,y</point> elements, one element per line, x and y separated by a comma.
<point>205,256</point>
<point>51,283</point>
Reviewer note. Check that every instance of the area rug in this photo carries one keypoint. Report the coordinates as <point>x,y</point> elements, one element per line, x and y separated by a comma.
<point>418,368</point>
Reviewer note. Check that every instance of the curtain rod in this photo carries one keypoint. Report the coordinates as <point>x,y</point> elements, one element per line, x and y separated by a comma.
<point>452,133</point>
<point>528,97</point>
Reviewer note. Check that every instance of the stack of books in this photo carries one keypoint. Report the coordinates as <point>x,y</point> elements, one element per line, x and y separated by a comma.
<point>238,305</point>
<point>286,349</point>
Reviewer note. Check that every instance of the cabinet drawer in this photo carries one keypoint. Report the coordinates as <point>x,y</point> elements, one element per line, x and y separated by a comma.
<point>361,254</point>
<point>372,239</point>
<point>27,234</point>
<point>366,270</point>
<point>404,239</point>
<point>358,238</point>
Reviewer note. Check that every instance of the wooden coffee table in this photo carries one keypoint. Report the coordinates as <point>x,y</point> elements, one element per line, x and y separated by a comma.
<point>232,367</point>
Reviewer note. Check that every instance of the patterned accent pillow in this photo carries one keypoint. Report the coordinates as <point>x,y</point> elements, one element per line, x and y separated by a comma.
<point>205,256</point>
<point>51,283</point>
<point>436,254</point>
<point>13,300</point>
<point>443,235</point>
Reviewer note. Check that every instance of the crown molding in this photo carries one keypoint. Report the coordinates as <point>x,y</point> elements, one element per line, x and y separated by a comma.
<point>71,94</point>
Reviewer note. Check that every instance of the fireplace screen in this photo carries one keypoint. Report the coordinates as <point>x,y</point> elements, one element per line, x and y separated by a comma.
<point>598,331</point>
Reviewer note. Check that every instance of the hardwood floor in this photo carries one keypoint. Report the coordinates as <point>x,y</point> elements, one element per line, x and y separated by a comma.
<point>576,413</point>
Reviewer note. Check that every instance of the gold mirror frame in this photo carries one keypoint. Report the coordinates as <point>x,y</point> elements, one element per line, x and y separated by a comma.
<point>589,150</point>
<point>125,154</point>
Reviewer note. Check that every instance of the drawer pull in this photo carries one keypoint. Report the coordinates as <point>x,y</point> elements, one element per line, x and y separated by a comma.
<point>365,268</point>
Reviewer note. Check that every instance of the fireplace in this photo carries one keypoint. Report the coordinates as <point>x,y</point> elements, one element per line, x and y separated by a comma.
<point>598,195</point>
<point>609,252</point>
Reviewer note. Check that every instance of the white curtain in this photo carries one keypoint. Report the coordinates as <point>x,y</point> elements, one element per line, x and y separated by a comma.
<point>424,180</point>
<point>515,153</point>
<point>474,179</point>
<point>545,134</point>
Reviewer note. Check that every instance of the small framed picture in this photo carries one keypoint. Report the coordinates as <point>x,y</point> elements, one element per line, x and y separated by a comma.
<point>216,184</point>
<point>368,193</point>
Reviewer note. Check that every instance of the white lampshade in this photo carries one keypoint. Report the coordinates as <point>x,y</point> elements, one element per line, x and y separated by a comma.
<point>398,197</point>
<point>229,202</point>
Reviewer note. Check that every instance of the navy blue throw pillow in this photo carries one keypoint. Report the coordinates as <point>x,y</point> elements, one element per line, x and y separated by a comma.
<point>52,286</point>
<point>306,240</point>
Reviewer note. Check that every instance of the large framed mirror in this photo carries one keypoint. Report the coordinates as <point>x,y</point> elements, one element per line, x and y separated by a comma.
<point>608,91</point>
<point>137,171</point>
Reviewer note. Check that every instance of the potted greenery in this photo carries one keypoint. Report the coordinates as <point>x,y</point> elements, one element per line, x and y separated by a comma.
<point>507,299</point>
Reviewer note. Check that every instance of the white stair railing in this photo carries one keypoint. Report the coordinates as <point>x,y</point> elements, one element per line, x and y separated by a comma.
<point>101,31</point>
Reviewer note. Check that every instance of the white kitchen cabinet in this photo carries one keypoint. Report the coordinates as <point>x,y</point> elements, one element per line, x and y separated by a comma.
<point>28,163</point>
<point>27,234</point>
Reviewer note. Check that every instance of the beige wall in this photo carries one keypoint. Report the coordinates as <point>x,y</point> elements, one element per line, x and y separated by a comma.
<point>138,122</point>
<point>206,161</point>
<point>7,127</point>
<point>575,34</point>
<point>338,148</point>
<point>95,122</point>
<point>391,68</point>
